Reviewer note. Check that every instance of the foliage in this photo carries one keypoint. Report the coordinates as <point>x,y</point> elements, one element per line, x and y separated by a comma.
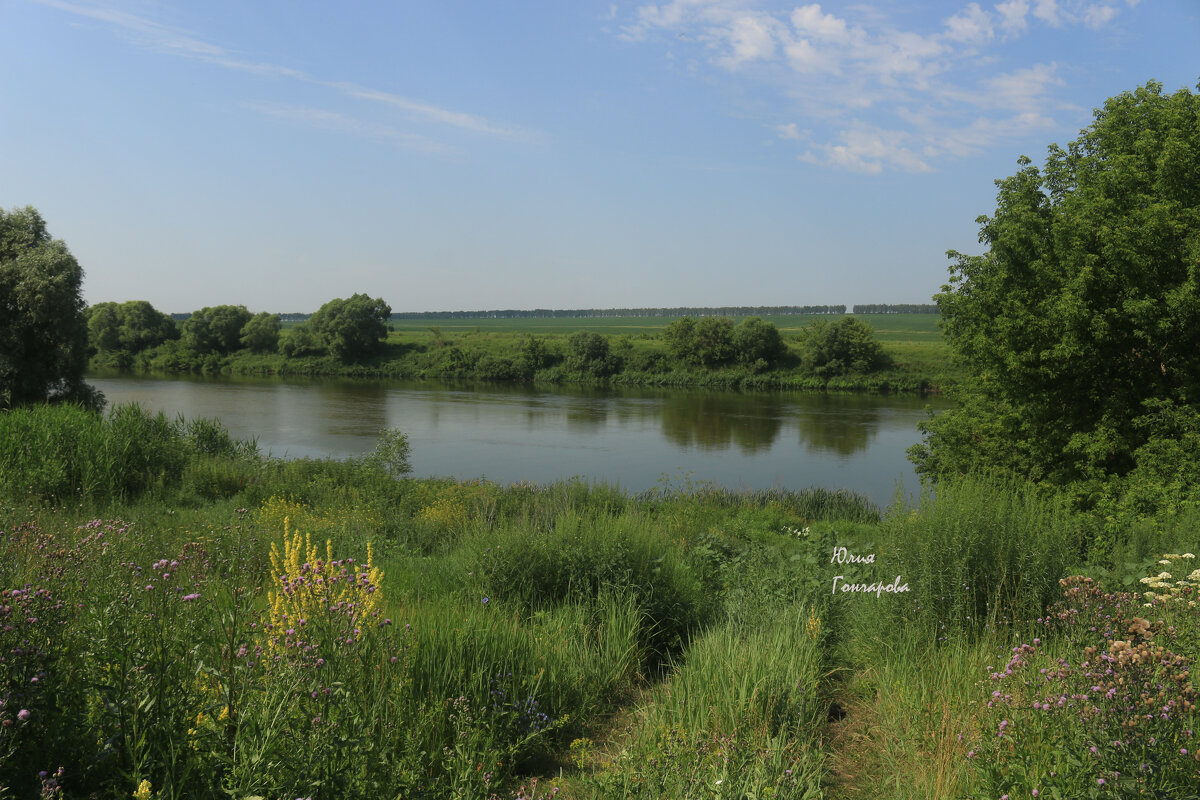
<point>353,328</point>
<point>982,553</point>
<point>835,348</point>
<point>65,453</point>
<point>391,453</point>
<point>588,353</point>
<point>1080,325</point>
<point>130,327</point>
<point>755,340</point>
<point>260,334</point>
<point>215,329</point>
<point>43,333</point>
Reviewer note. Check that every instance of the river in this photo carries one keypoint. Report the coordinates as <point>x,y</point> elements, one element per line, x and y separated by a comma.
<point>636,438</point>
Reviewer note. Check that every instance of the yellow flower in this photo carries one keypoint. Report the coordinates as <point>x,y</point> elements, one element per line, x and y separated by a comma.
<point>308,585</point>
<point>143,791</point>
<point>814,623</point>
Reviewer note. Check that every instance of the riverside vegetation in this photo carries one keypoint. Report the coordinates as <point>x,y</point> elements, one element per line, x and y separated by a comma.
<point>183,617</point>
<point>357,337</point>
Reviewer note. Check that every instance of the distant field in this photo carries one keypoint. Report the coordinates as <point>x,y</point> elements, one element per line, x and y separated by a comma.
<point>890,327</point>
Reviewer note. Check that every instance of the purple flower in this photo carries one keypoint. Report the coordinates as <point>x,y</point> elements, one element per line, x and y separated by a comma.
<point>485,601</point>
<point>23,714</point>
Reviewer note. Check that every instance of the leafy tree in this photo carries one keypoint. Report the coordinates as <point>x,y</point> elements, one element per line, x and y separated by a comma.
<point>104,327</point>
<point>43,333</point>
<point>588,352</point>
<point>302,340</point>
<point>353,328</point>
<point>680,337</point>
<point>1080,325</point>
<point>215,329</point>
<point>131,327</point>
<point>835,348</point>
<point>714,341</point>
<point>261,333</point>
<point>708,342</point>
<point>755,340</point>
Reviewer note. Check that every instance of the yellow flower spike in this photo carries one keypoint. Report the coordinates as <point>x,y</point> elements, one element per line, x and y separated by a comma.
<point>143,791</point>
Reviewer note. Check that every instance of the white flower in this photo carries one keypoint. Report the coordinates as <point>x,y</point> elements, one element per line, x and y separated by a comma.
<point>1165,561</point>
<point>1188,555</point>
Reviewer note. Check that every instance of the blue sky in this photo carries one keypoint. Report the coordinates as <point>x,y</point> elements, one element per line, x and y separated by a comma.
<point>452,155</point>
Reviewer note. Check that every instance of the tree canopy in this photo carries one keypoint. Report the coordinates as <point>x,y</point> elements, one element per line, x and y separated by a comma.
<point>132,327</point>
<point>353,328</point>
<point>43,333</point>
<point>835,348</point>
<point>216,329</point>
<point>1080,324</point>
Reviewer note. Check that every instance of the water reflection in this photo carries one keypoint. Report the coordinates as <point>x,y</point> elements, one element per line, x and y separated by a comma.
<point>510,433</point>
<point>841,424</point>
<point>720,421</point>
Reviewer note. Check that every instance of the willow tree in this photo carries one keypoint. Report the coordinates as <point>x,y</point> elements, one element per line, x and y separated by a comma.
<point>43,332</point>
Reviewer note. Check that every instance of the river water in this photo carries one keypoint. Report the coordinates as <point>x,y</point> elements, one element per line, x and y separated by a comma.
<point>635,438</point>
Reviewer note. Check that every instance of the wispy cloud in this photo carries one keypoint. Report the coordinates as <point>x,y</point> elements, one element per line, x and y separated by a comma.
<point>161,38</point>
<point>334,121</point>
<point>884,97</point>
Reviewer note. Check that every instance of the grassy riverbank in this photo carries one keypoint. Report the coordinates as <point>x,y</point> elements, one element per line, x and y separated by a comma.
<point>183,618</point>
<point>537,351</point>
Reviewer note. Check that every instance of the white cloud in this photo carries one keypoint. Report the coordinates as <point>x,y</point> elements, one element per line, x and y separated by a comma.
<point>332,120</point>
<point>869,150</point>
<point>1024,90</point>
<point>972,25</point>
<point>164,39</point>
<point>877,96</point>
<point>810,21</point>
<point>1012,16</point>
<point>1098,16</point>
<point>1047,11</point>
<point>789,131</point>
<point>750,37</point>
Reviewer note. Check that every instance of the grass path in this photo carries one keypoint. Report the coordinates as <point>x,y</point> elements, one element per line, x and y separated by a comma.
<point>906,726</point>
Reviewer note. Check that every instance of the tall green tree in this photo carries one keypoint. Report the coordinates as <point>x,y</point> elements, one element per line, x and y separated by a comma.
<point>43,333</point>
<point>132,326</point>
<point>756,340</point>
<point>215,329</point>
<point>1080,324</point>
<point>261,333</point>
<point>353,328</point>
<point>835,348</point>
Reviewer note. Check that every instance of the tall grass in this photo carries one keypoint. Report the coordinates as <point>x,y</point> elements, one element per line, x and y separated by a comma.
<point>63,453</point>
<point>983,553</point>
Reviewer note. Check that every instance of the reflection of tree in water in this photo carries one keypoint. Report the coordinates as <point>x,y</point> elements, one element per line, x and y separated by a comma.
<point>586,414</point>
<point>842,424</point>
<point>715,422</point>
<point>352,408</point>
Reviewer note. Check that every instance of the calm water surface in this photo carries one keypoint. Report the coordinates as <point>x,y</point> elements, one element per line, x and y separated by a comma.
<point>631,437</point>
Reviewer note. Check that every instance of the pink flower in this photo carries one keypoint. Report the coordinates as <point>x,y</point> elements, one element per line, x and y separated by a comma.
<point>23,714</point>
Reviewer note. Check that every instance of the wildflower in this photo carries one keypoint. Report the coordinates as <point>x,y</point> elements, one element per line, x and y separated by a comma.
<point>485,601</point>
<point>23,714</point>
<point>143,791</point>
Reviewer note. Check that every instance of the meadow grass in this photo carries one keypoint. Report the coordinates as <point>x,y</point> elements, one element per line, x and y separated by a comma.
<point>218,624</point>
